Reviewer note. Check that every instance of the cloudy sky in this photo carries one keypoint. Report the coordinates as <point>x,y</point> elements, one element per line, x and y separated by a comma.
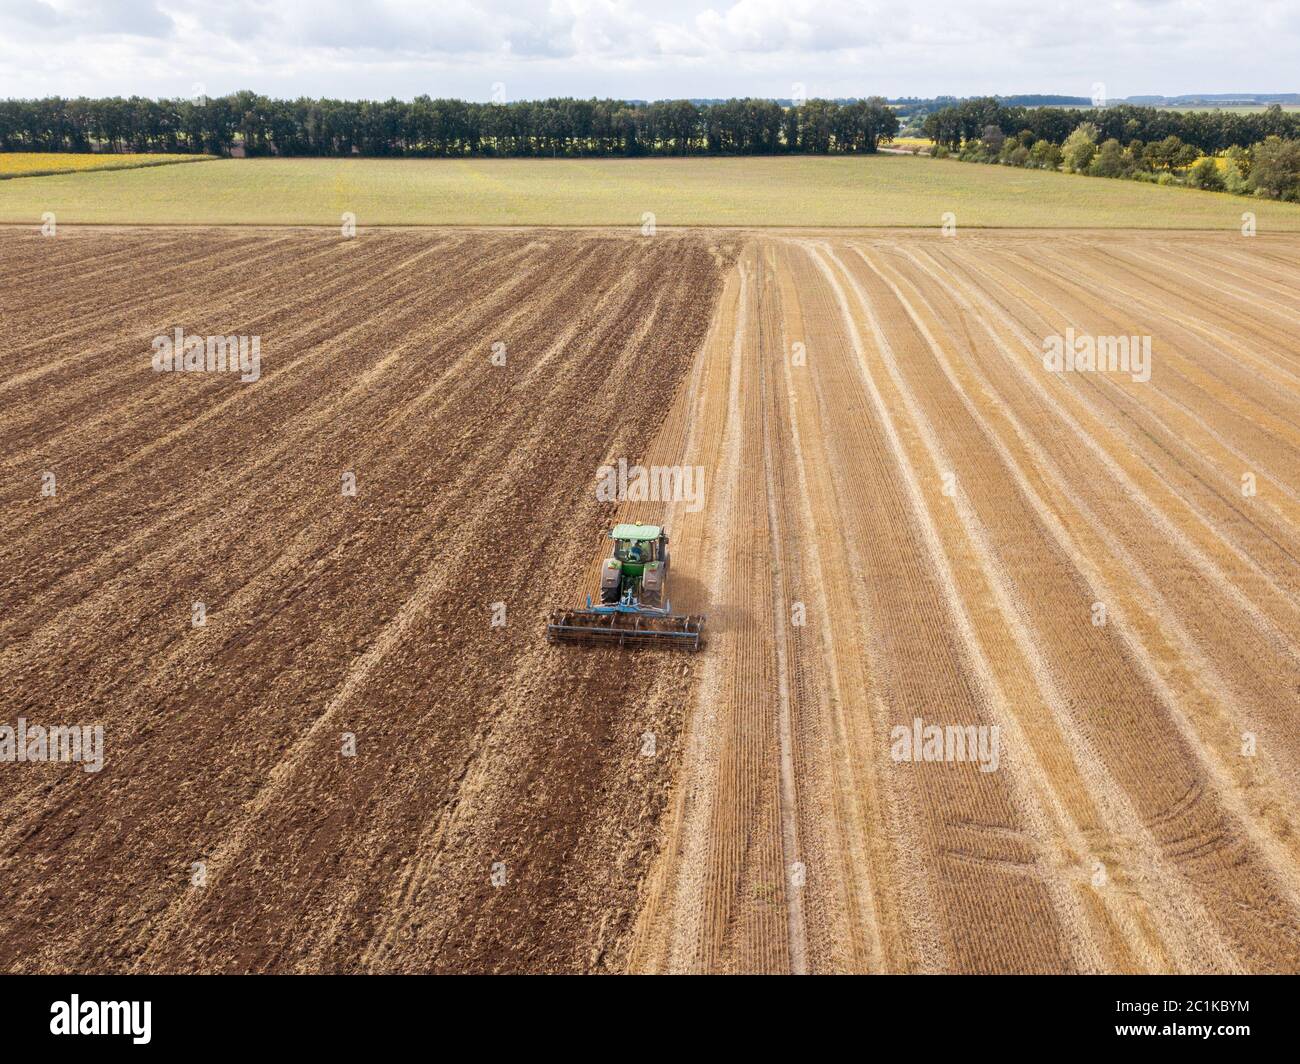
<point>512,49</point>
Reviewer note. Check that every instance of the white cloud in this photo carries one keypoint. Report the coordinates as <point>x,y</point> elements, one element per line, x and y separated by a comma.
<point>620,48</point>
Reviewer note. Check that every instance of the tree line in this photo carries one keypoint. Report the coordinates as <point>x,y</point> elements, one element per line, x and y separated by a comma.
<point>426,127</point>
<point>1210,132</point>
<point>1267,167</point>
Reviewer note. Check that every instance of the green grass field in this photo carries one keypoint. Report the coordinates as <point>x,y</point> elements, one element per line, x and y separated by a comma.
<point>883,190</point>
<point>1234,108</point>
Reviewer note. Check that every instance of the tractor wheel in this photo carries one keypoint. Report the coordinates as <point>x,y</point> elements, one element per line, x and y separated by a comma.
<point>609,596</point>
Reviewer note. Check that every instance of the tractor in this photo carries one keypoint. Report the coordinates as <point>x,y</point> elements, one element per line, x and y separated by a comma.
<point>633,608</point>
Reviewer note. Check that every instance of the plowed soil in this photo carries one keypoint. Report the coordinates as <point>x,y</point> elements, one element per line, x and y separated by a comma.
<point>905,517</point>
<point>328,614</point>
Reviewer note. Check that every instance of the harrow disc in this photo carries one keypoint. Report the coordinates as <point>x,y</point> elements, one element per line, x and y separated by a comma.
<point>679,631</point>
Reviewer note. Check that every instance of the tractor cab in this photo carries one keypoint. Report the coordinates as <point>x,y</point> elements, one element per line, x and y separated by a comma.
<point>634,574</point>
<point>639,544</point>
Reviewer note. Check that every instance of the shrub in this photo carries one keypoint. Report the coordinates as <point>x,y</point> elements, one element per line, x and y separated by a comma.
<point>1205,175</point>
<point>976,151</point>
<point>1242,160</point>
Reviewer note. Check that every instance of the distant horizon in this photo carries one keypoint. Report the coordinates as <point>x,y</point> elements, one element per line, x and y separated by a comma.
<point>1068,99</point>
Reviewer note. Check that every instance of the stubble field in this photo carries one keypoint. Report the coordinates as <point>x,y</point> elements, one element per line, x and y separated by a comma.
<point>906,518</point>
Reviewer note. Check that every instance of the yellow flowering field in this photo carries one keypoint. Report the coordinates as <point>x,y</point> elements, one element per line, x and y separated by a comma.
<point>35,163</point>
<point>924,143</point>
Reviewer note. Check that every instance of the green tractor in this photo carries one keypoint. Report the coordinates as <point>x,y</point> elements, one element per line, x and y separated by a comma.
<point>633,607</point>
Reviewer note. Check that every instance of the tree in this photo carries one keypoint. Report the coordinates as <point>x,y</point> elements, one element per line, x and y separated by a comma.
<point>1045,155</point>
<point>817,122</point>
<point>1275,172</point>
<point>1079,148</point>
<point>1185,156</point>
<point>1164,154</point>
<point>1109,160</point>
<point>861,126</point>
